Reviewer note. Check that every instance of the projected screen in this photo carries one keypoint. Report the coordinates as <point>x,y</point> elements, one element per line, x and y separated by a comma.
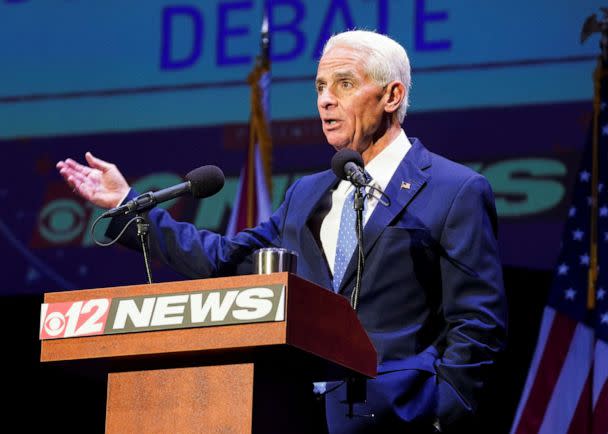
<point>160,87</point>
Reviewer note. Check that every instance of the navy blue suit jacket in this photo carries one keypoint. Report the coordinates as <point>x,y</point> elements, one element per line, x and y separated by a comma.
<point>432,298</point>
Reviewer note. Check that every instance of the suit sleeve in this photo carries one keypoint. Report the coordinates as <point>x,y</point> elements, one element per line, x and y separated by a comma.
<point>198,253</point>
<point>474,302</point>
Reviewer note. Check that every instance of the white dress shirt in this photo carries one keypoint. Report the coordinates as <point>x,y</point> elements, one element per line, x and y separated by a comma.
<point>381,168</point>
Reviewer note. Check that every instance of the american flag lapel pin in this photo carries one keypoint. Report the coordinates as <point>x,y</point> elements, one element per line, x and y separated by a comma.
<point>405,185</point>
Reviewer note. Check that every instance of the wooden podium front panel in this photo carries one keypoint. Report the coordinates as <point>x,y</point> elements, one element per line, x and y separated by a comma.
<point>210,399</point>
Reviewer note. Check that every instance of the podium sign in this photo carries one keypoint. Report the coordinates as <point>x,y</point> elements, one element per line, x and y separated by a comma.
<point>218,355</point>
<point>102,316</point>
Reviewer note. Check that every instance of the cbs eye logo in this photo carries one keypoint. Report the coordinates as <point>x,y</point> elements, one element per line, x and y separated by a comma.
<point>54,324</point>
<point>76,318</point>
<point>61,221</point>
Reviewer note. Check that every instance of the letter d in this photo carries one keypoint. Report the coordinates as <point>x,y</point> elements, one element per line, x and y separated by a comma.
<point>168,60</point>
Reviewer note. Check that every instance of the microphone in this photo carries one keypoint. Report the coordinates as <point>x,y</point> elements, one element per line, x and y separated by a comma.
<point>348,164</point>
<point>202,182</point>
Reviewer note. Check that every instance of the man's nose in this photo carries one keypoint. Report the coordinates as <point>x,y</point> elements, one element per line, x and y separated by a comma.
<point>326,98</point>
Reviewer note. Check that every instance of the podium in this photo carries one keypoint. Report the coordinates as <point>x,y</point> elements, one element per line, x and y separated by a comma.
<point>249,376</point>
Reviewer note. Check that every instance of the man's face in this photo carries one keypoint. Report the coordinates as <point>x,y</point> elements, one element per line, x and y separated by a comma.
<point>350,103</point>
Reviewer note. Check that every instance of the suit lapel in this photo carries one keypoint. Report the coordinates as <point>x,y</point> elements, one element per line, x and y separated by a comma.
<point>403,187</point>
<point>308,244</point>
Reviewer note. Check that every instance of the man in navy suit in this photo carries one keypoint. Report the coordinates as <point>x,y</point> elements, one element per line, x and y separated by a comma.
<point>432,297</point>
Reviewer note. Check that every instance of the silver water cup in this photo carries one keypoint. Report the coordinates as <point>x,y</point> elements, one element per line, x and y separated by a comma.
<point>274,260</point>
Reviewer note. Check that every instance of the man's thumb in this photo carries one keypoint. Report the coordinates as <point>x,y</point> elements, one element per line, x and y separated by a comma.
<point>97,163</point>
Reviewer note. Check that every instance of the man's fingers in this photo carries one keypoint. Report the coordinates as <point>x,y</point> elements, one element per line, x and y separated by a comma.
<point>68,175</point>
<point>78,177</point>
<point>74,183</point>
<point>97,163</point>
<point>67,171</point>
<point>76,166</point>
<point>84,189</point>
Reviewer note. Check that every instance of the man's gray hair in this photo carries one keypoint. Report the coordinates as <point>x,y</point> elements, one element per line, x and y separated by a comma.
<point>385,59</point>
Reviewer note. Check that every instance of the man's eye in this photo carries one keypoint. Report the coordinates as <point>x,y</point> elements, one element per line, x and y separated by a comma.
<point>347,84</point>
<point>320,88</point>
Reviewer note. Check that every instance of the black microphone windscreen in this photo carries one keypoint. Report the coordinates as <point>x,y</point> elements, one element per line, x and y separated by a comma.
<point>342,157</point>
<point>206,181</point>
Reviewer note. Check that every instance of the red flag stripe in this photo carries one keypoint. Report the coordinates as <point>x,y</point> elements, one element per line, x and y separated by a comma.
<point>543,334</point>
<point>571,382</point>
<point>581,420</point>
<point>600,412</point>
<point>555,352</point>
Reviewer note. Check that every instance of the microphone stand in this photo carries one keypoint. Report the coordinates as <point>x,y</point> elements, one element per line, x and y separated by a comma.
<point>356,387</point>
<point>358,206</point>
<point>143,229</point>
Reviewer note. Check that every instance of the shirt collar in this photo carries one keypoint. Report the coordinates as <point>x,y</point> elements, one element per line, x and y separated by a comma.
<point>383,166</point>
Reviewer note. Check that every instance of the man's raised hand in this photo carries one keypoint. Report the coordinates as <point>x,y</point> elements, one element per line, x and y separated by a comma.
<point>101,183</point>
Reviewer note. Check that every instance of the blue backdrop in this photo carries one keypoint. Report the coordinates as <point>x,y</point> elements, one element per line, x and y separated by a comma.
<point>159,88</point>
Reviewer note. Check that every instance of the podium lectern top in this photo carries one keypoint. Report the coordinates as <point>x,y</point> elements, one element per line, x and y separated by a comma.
<point>314,322</point>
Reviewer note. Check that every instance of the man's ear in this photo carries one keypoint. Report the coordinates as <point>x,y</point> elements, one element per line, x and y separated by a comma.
<point>395,93</point>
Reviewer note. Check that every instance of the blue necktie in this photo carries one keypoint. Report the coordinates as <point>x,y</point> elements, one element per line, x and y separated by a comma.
<point>347,240</point>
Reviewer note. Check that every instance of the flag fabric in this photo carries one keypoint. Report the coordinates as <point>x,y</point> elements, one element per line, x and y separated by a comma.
<point>252,204</point>
<point>566,390</point>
